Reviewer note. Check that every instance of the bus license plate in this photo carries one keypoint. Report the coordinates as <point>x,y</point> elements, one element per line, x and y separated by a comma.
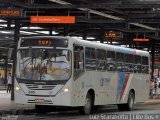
<point>39,100</point>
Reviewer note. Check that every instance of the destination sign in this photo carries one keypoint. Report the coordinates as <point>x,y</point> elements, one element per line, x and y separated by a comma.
<point>46,42</point>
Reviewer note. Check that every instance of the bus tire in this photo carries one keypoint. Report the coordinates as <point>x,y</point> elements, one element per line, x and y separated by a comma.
<point>41,109</point>
<point>130,103</point>
<point>87,108</point>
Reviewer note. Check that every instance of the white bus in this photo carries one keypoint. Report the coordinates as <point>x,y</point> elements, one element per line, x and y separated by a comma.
<point>68,72</point>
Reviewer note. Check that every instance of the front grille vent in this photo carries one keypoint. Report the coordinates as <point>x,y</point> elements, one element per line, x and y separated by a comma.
<point>40,87</point>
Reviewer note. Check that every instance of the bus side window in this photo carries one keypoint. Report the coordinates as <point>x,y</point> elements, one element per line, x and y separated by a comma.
<point>111,64</point>
<point>90,58</point>
<point>145,66</point>
<point>120,61</point>
<point>101,59</point>
<point>137,64</point>
<point>78,57</point>
<point>128,66</point>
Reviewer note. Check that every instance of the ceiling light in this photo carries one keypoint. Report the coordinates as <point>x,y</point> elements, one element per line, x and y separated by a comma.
<point>6,32</point>
<point>30,33</point>
<point>90,38</point>
<point>2,20</point>
<point>5,25</point>
<point>143,26</point>
<point>77,37</point>
<point>60,2</point>
<point>31,28</point>
<point>47,32</point>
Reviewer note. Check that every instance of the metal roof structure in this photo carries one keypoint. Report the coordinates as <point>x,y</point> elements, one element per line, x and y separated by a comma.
<point>134,18</point>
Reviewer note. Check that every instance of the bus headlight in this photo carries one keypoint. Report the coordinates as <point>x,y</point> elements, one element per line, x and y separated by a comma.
<point>17,88</point>
<point>65,90</point>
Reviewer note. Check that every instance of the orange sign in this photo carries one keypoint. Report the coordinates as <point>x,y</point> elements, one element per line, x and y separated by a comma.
<point>53,19</point>
<point>113,35</point>
<point>10,13</point>
<point>141,39</point>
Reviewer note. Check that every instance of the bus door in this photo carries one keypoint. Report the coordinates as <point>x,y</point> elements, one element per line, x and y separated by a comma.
<point>78,66</point>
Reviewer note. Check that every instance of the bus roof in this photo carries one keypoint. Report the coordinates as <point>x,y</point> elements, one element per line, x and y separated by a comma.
<point>109,47</point>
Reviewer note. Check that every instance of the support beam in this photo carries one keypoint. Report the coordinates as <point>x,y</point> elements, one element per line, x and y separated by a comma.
<point>153,57</point>
<point>66,29</point>
<point>16,37</point>
<point>6,71</point>
<point>50,30</point>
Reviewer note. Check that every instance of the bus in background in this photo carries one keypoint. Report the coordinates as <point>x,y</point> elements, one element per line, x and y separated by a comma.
<point>68,72</point>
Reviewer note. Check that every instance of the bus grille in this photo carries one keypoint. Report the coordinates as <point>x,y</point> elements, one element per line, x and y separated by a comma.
<point>40,87</point>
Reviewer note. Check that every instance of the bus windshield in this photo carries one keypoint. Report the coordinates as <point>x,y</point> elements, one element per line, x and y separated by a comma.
<point>43,64</point>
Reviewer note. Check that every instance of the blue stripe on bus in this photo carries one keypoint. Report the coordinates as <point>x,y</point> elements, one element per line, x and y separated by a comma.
<point>121,79</point>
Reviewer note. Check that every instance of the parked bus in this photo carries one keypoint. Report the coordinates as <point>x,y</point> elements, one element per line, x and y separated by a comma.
<point>68,72</point>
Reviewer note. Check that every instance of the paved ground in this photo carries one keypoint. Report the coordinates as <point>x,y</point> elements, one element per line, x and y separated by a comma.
<point>8,106</point>
<point>2,87</point>
<point>110,112</point>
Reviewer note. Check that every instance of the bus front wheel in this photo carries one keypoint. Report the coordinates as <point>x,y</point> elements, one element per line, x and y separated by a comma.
<point>129,105</point>
<point>87,108</point>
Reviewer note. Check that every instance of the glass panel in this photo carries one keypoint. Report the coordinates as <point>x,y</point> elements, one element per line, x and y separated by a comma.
<point>101,59</point>
<point>120,60</point>
<point>90,64</point>
<point>128,58</point>
<point>128,68</point>
<point>111,64</point>
<point>90,59</point>
<point>137,59</point>
<point>44,64</point>
<point>78,61</point>
<point>119,57</point>
<point>137,64</point>
<point>78,57</point>
<point>145,69</point>
<point>137,68</point>
<point>144,60</point>
<point>120,67</point>
<point>101,65</point>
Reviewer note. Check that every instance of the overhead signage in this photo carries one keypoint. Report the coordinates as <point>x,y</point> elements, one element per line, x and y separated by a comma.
<point>141,39</point>
<point>53,19</point>
<point>10,13</point>
<point>114,35</point>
